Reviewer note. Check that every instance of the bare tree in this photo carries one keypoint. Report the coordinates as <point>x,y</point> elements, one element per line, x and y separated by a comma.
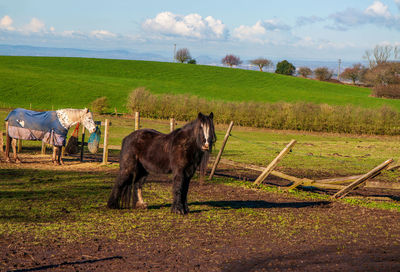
<point>182,55</point>
<point>381,54</point>
<point>305,72</point>
<point>231,60</point>
<point>261,63</point>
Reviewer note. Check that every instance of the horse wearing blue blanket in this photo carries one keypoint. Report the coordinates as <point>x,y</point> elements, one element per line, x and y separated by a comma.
<point>50,126</point>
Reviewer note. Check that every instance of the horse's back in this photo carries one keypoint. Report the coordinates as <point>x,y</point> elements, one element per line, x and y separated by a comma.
<point>149,147</point>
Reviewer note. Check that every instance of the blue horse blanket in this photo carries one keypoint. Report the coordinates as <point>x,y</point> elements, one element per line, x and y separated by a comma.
<point>32,125</point>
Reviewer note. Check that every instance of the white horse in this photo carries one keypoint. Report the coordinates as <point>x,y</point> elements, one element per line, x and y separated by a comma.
<point>51,127</point>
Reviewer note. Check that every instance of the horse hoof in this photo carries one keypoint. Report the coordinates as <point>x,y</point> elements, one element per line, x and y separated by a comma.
<point>17,161</point>
<point>179,210</point>
<point>7,160</point>
<point>142,205</point>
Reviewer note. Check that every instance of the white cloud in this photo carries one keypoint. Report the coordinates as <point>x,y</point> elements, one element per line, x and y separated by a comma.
<point>397,3</point>
<point>192,26</point>
<point>255,33</point>
<point>102,34</point>
<point>378,9</point>
<point>376,14</point>
<point>6,23</point>
<point>35,26</point>
<point>268,31</point>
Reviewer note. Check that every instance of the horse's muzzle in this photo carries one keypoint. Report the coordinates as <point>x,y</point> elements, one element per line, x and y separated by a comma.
<point>205,147</point>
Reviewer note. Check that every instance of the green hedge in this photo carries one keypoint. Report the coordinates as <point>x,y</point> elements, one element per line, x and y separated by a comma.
<point>293,116</point>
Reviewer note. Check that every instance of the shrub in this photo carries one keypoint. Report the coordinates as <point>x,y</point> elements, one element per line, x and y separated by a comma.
<point>305,72</point>
<point>285,68</point>
<point>387,91</point>
<point>100,105</point>
<point>281,115</point>
<point>323,73</point>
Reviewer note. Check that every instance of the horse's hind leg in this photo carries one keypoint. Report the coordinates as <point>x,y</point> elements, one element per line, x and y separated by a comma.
<point>140,179</point>
<point>7,151</point>
<point>57,155</point>
<point>14,148</point>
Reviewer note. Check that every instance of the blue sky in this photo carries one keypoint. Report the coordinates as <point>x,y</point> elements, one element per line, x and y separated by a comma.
<point>308,29</point>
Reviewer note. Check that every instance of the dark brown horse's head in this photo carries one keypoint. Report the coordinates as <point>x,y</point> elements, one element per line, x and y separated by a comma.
<point>206,132</point>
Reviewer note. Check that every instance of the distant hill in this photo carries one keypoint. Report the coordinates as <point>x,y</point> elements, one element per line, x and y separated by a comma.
<point>23,50</point>
<point>47,82</point>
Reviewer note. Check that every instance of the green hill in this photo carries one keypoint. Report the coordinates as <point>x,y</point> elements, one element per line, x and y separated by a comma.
<point>75,82</point>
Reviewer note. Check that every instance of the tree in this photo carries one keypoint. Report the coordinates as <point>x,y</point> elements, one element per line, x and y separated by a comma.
<point>261,63</point>
<point>192,61</point>
<point>305,72</point>
<point>384,74</point>
<point>354,73</point>
<point>381,54</point>
<point>182,55</point>
<point>231,60</point>
<point>323,73</point>
<point>285,68</point>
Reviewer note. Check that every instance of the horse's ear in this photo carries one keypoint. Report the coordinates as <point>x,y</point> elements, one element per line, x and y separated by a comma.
<point>86,110</point>
<point>200,115</point>
<point>211,115</point>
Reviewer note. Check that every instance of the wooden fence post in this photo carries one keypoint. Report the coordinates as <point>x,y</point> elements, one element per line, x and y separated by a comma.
<point>221,150</point>
<point>82,142</point>
<point>172,124</point>
<point>373,173</point>
<point>43,148</point>
<point>137,120</point>
<point>274,163</point>
<point>105,146</point>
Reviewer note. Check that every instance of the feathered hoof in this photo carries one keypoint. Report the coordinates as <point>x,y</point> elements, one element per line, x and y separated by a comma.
<point>178,209</point>
<point>142,205</point>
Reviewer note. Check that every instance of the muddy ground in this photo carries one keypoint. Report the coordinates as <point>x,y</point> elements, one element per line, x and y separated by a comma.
<point>354,238</point>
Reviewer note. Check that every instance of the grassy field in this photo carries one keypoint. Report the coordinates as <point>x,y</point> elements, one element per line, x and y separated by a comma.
<point>45,82</point>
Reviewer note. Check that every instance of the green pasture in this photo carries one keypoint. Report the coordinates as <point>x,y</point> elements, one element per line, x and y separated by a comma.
<point>49,82</point>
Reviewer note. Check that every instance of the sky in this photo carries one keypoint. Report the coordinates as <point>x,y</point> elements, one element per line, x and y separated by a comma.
<point>306,29</point>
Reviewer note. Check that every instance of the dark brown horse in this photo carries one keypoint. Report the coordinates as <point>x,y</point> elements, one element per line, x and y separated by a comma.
<point>149,151</point>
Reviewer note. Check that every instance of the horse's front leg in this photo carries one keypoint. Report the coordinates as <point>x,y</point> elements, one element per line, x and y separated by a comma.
<point>180,191</point>
<point>14,148</point>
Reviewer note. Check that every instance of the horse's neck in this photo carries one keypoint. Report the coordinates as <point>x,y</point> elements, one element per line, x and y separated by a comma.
<point>68,117</point>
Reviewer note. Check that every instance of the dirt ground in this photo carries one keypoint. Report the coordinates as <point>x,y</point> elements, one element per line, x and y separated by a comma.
<point>371,241</point>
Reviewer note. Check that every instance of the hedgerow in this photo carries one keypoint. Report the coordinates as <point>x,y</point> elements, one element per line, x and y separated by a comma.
<point>282,115</point>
